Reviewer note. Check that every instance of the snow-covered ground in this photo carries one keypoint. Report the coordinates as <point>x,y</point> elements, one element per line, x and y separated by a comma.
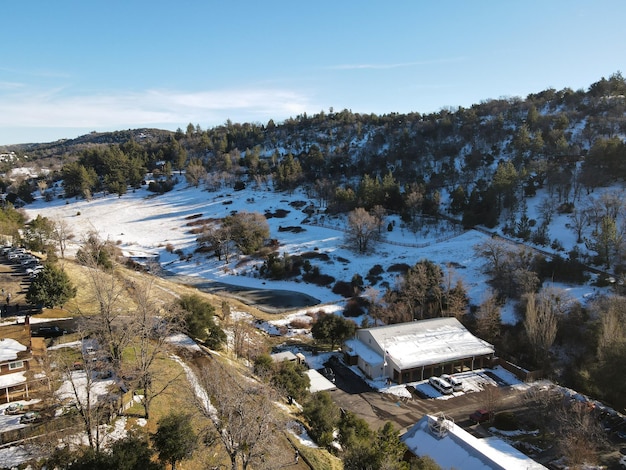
<point>142,223</point>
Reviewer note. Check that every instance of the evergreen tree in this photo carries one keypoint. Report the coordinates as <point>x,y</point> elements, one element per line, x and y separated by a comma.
<point>323,415</point>
<point>175,439</point>
<point>332,329</point>
<point>52,286</point>
<point>200,321</point>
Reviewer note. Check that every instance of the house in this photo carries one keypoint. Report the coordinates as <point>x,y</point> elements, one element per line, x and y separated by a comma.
<point>451,446</point>
<point>16,362</point>
<point>415,351</point>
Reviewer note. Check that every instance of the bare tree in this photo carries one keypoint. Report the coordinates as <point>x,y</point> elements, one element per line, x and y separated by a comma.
<point>488,319</point>
<point>85,386</point>
<point>242,334</point>
<point>492,399</point>
<point>373,296</point>
<point>612,313</point>
<point>218,239</point>
<point>580,434</point>
<point>109,323</point>
<point>579,218</point>
<point>362,229</point>
<point>243,416</point>
<point>455,295</point>
<point>612,203</point>
<point>541,323</point>
<point>547,208</point>
<point>62,234</point>
<point>152,326</point>
<point>195,172</point>
<point>379,213</point>
<point>494,250</point>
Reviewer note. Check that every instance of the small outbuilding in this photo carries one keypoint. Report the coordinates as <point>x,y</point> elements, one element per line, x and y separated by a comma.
<point>450,446</point>
<point>289,357</point>
<point>415,351</point>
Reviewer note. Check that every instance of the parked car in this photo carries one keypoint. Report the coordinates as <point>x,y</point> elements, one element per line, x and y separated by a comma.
<point>457,385</point>
<point>13,409</point>
<point>30,417</point>
<point>329,374</point>
<point>48,331</point>
<point>36,268</point>
<point>441,385</point>
<point>480,416</point>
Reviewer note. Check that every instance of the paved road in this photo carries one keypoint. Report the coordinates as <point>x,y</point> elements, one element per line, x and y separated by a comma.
<point>267,300</point>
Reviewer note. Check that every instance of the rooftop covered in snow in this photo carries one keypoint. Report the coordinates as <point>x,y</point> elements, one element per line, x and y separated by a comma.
<point>420,343</point>
<point>9,348</point>
<point>453,447</point>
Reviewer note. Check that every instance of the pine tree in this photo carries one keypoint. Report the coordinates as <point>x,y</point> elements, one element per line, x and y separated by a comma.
<point>52,286</point>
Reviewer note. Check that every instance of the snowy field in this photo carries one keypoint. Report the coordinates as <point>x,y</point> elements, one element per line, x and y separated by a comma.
<point>142,223</point>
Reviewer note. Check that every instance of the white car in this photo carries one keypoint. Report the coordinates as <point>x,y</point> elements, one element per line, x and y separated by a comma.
<point>457,385</point>
<point>32,272</point>
<point>441,385</point>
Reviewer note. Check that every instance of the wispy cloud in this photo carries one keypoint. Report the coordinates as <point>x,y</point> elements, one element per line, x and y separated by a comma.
<point>4,85</point>
<point>55,108</point>
<point>394,65</point>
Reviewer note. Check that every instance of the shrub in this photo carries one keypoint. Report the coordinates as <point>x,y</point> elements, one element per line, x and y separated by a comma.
<point>506,421</point>
<point>161,187</point>
<point>376,270</point>
<point>299,324</point>
<point>398,268</point>
<point>353,308</point>
<point>344,289</point>
<point>315,277</point>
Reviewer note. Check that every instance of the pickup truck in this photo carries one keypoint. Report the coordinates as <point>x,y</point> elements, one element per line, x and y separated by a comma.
<point>480,416</point>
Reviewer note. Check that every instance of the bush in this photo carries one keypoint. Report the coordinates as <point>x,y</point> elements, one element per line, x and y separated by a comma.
<point>317,278</point>
<point>374,274</point>
<point>299,324</point>
<point>506,421</point>
<point>160,187</point>
<point>353,308</point>
<point>344,289</point>
<point>398,268</point>
<point>563,270</point>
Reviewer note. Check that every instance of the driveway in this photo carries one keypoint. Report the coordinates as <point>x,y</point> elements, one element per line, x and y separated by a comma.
<point>355,395</point>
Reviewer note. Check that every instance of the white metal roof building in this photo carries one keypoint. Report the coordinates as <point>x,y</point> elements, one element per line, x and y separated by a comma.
<point>450,446</point>
<point>414,351</point>
<point>319,382</point>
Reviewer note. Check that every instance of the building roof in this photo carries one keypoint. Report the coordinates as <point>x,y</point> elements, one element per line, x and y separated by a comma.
<point>456,448</point>
<point>9,349</point>
<point>11,380</point>
<point>426,342</point>
<point>319,382</point>
<point>284,356</point>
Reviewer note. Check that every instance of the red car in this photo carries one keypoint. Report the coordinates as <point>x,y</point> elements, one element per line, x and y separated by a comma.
<point>480,416</point>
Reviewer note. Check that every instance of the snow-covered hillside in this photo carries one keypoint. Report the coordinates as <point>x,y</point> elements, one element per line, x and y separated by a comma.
<point>141,224</point>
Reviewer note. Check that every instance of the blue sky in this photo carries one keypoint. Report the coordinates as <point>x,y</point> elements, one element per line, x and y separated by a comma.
<point>71,67</point>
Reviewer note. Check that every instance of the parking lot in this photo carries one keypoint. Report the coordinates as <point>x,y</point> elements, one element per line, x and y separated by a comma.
<point>404,405</point>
